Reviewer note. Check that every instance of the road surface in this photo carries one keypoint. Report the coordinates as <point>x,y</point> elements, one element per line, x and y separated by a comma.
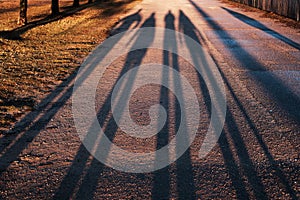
<point>256,155</point>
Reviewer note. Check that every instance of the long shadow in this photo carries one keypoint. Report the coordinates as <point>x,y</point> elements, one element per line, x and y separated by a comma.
<point>90,180</point>
<point>70,181</point>
<point>184,169</point>
<point>161,178</point>
<point>252,22</point>
<point>189,29</point>
<point>246,163</point>
<point>24,131</point>
<point>284,98</point>
<point>235,136</point>
<point>33,123</point>
<point>78,166</point>
<point>232,168</point>
<point>125,23</point>
<point>121,25</point>
<point>243,155</point>
<point>232,127</point>
<point>45,105</point>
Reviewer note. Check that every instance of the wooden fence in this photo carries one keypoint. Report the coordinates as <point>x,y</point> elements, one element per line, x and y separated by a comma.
<point>288,8</point>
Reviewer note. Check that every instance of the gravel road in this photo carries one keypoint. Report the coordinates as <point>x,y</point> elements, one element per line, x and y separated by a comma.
<point>256,155</point>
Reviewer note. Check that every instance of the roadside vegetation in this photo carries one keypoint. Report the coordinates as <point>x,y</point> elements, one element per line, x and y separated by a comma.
<point>38,55</point>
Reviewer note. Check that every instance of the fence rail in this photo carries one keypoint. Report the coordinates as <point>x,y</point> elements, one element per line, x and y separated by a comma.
<point>288,8</point>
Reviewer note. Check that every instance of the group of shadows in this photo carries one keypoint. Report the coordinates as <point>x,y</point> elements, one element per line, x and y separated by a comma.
<point>82,179</point>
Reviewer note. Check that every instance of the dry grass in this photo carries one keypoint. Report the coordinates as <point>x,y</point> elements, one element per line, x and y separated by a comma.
<point>37,57</point>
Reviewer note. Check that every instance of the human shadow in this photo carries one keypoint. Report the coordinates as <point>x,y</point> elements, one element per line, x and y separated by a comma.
<point>125,23</point>
<point>189,29</point>
<point>239,144</point>
<point>252,22</point>
<point>281,95</point>
<point>133,59</point>
<point>176,117</point>
<point>32,121</point>
<point>231,166</point>
<point>161,178</point>
<point>94,170</point>
<point>184,169</point>
<point>24,131</point>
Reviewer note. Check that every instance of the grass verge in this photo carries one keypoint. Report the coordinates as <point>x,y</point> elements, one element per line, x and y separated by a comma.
<point>37,57</point>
